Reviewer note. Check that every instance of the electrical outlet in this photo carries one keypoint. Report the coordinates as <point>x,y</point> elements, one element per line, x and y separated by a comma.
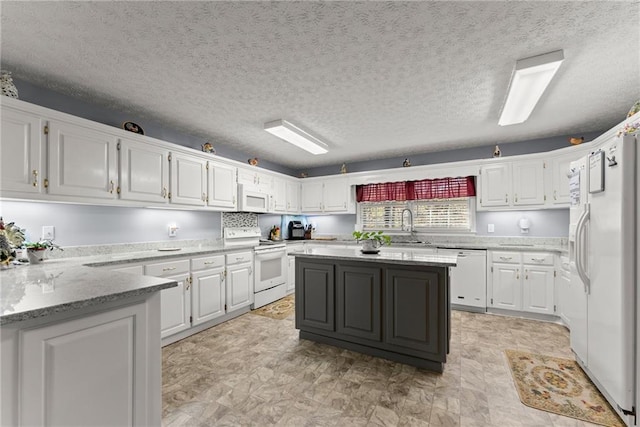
<point>491,228</point>
<point>48,232</point>
<point>173,230</point>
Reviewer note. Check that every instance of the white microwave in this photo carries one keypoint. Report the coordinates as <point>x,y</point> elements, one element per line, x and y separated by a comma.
<point>253,201</point>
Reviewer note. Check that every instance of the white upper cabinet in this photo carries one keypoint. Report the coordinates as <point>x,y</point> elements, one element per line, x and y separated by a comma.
<point>188,179</point>
<point>279,195</point>
<point>286,195</point>
<point>222,188</point>
<point>293,196</point>
<point>560,179</point>
<point>144,172</point>
<point>22,153</point>
<point>495,185</point>
<point>328,195</point>
<point>312,196</point>
<point>528,182</point>
<point>255,180</point>
<point>82,161</point>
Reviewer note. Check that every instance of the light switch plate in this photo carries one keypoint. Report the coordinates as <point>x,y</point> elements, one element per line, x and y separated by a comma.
<point>48,232</point>
<point>491,228</point>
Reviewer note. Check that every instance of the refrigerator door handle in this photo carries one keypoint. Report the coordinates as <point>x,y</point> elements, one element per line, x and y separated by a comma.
<point>580,248</point>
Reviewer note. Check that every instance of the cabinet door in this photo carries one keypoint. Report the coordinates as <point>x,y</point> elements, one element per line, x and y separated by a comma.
<point>90,370</point>
<point>312,196</point>
<point>239,286</point>
<point>207,295</point>
<point>82,161</point>
<point>291,275</point>
<point>506,286</point>
<point>415,304</point>
<point>560,179</point>
<point>144,172</point>
<point>188,180</point>
<point>537,288</point>
<point>293,196</point>
<point>175,306</point>
<point>315,289</point>
<point>495,185</point>
<point>335,196</point>
<point>279,195</point>
<point>563,292</point>
<point>21,153</point>
<point>528,183</point>
<point>222,186</point>
<point>358,307</point>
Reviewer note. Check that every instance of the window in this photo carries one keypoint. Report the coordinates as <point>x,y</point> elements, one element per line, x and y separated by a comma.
<point>434,215</point>
<point>444,204</point>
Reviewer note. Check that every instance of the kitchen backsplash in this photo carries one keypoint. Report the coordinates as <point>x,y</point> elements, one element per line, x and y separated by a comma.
<point>239,219</point>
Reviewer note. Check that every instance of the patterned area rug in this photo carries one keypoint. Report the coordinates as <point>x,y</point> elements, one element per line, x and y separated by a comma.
<point>279,310</point>
<point>560,386</point>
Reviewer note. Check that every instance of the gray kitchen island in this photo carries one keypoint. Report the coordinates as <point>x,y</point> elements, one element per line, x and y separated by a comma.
<point>394,304</point>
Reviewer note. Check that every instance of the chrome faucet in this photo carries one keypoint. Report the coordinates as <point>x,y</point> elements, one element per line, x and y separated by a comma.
<point>403,227</point>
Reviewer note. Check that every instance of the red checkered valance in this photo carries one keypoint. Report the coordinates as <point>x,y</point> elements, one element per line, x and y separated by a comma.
<point>442,188</point>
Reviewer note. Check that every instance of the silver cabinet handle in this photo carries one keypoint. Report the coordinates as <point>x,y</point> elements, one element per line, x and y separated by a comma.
<point>168,268</point>
<point>506,197</point>
<point>505,258</point>
<point>35,178</point>
<point>516,195</point>
<point>209,262</point>
<point>517,273</point>
<point>555,195</point>
<point>537,259</point>
<point>111,189</point>
<point>164,192</point>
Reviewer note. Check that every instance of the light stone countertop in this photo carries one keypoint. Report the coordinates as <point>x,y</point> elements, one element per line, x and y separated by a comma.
<point>63,284</point>
<point>54,286</point>
<point>387,256</point>
<point>68,280</point>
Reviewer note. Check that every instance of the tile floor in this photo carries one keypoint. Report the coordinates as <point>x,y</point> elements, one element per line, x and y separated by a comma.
<point>254,370</point>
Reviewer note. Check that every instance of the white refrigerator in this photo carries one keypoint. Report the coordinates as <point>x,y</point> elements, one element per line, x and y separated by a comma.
<point>602,249</point>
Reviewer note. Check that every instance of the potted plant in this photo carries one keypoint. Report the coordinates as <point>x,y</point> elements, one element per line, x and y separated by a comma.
<point>11,237</point>
<point>371,240</point>
<point>36,250</point>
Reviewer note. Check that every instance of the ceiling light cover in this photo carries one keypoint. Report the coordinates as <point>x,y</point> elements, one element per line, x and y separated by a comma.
<point>528,82</point>
<point>296,136</point>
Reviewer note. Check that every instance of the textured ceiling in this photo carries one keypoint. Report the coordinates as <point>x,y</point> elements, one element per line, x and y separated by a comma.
<point>372,79</point>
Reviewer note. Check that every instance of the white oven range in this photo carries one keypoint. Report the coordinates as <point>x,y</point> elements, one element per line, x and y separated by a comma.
<point>270,263</point>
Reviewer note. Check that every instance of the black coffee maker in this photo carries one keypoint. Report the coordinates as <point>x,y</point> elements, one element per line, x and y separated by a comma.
<point>296,230</point>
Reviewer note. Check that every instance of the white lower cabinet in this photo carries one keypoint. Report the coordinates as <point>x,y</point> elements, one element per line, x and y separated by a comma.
<point>175,303</point>
<point>291,275</point>
<point>522,281</point>
<point>207,290</point>
<point>100,363</point>
<point>239,280</point>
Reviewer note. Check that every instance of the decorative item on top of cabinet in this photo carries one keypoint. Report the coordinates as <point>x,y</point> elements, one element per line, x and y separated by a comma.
<point>133,127</point>
<point>304,175</point>
<point>253,161</point>
<point>576,141</point>
<point>343,168</point>
<point>6,83</point>
<point>207,147</point>
<point>634,109</point>
<point>496,151</point>
<point>406,163</point>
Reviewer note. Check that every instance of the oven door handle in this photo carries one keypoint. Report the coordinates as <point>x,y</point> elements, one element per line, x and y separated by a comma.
<point>270,251</point>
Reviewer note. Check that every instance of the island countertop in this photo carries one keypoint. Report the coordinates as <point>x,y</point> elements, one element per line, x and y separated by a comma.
<point>56,286</point>
<point>386,256</point>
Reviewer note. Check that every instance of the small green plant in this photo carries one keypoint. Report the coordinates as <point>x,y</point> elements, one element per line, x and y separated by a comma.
<point>377,236</point>
<point>42,245</point>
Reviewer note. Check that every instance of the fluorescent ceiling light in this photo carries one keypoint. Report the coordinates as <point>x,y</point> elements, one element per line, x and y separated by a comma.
<point>528,82</point>
<point>296,136</point>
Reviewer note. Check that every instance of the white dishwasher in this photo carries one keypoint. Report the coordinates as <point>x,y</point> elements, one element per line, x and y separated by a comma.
<point>468,279</point>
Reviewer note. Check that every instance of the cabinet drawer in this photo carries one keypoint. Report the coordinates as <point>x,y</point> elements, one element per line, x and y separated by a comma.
<point>239,257</point>
<point>207,262</point>
<point>537,258</point>
<point>506,257</point>
<point>167,268</point>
